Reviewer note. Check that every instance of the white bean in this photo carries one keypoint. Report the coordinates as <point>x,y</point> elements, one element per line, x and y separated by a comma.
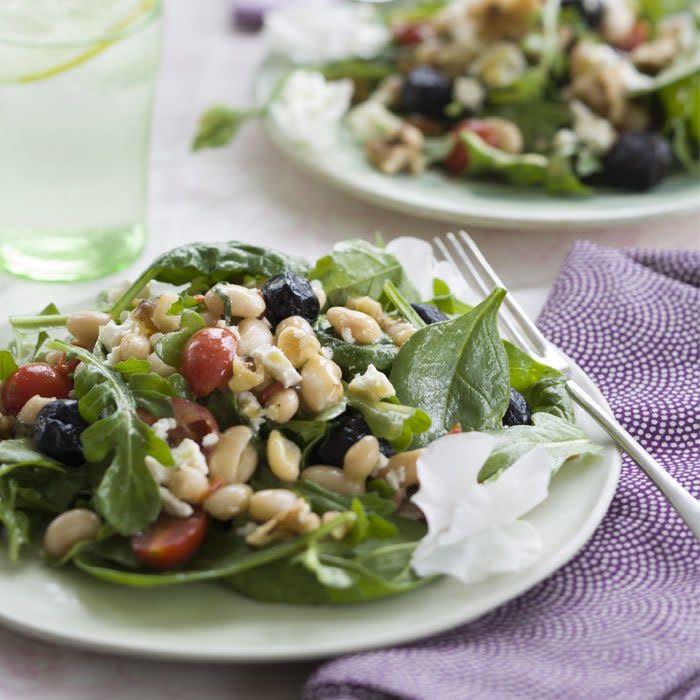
<point>361,459</point>
<point>282,406</point>
<point>283,456</point>
<point>298,345</point>
<point>333,479</point>
<point>228,501</point>
<point>234,457</point>
<point>69,528</point>
<point>85,326</point>
<point>162,320</point>
<point>354,325</point>
<point>254,333</point>
<point>266,504</point>
<point>320,383</point>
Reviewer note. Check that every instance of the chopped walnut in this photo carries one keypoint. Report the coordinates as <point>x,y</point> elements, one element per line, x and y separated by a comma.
<point>653,56</point>
<point>503,19</point>
<point>603,91</point>
<point>400,151</point>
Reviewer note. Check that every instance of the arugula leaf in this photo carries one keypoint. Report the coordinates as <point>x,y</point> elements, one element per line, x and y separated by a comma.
<point>531,85</point>
<point>330,576</point>
<point>456,371</point>
<point>355,359</point>
<point>357,268</point>
<point>538,122</point>
<point>7,365</point>
<point>543,387</point>
<point>323,500</point>
<point>20,452</point>
<point>169,346</point>
<point>391,420</point>
<point>219,125</point>
<point>524,170</point>
<point>15,521</point>
<point>127,496</point>
<point>357,68</point>
<point>560,438</point>
<point>204,264</point>
<point>681,103</point>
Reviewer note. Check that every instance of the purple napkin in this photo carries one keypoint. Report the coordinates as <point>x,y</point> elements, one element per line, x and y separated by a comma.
<point>622,620</point>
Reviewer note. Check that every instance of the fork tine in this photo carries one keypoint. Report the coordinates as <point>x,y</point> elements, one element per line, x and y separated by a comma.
<point>482,286</point>
<point>516,311</point>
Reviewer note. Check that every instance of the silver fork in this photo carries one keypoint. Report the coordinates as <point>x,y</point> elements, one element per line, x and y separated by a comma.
<point>461,251</point>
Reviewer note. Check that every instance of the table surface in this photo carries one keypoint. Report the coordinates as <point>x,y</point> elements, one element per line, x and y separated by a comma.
<point>248,192</point>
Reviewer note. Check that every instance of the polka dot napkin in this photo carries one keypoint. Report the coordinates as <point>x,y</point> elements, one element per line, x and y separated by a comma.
<point>622,620</point>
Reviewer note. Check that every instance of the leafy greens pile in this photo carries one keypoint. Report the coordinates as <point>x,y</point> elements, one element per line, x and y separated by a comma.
<point>454,374</point>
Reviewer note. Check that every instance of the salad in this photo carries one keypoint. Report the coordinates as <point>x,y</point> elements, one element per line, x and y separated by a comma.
<point>306,434</point>
<point>563,95</point>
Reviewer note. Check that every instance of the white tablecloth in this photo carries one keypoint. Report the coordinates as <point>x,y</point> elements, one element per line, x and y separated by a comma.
<point>247,192</point>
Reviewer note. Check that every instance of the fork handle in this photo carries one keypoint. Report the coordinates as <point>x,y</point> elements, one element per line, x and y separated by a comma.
<point>683,502</point>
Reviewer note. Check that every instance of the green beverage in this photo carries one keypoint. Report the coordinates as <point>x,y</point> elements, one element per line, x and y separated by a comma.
<point>76,91</point>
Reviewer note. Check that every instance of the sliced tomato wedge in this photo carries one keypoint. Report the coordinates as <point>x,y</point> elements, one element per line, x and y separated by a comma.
<point>171,541</point>
<point>458,159</point>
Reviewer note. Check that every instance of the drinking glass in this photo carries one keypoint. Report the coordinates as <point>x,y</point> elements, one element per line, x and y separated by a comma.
<point>76,92</point>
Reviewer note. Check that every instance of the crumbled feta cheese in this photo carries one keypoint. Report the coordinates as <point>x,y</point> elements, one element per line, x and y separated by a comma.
<point>326,352</point>
<point>210,439</point>
<point>500,65</point>
<point>159,472</point>
<point>162,426</point>
<point>173,505</point>
<point>110,334</point>
<point>31,408</point>
<point>474,529</point>
<point>250,408</point>
<point>277,365</point>
<point>371,120</point>
<point>188,454</point>
<point>593,131</point>
<point>565,141</point>
<point>469,92</point>
<point>373,384</point>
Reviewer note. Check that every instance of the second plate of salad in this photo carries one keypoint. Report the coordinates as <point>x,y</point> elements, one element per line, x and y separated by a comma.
<point>524,113</point>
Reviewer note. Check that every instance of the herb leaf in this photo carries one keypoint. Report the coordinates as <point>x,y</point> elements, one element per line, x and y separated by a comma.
<point>219,125</point>
<point>456,371</point>
<point>560,438</point>
<point>204,264</point>
<point>127,496</point>
<point>357,268</point>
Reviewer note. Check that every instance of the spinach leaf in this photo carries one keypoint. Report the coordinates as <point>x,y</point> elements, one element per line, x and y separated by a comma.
<point>538,122</point>
<point>391,420</point>
<point>543,387</point>
<point>456,371</point>
<point>20,452</point>
<point>169,346</point>
<point>15,522</point>
<point>681,103</point>
<point>446,301</point>
<point>560,438</point>
<point>355,359</point>
<point>7,365</point>
<point>202,265</point>
<point>357,268</point>
<point>127,496</point>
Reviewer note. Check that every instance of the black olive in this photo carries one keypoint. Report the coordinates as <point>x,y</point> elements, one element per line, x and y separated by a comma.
<point>638,161</point>
<point>351,428</point>
<point>57,430</point>
<point>591,10</point>
<point>430,314</point>
<point>426,91</point>
<point>287,295</point>
<point>518,412</point>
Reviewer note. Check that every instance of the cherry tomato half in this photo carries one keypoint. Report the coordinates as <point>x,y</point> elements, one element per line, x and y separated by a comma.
<point>193,421</point>
<point>458,160</point>
<point>206,361</point>
<point>35,378</point>
<point>170,541</point>
<point>410,33</point>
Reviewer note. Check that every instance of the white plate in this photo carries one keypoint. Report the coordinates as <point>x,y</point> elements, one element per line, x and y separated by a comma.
<point>205,622</point>
<point>458,201</point>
